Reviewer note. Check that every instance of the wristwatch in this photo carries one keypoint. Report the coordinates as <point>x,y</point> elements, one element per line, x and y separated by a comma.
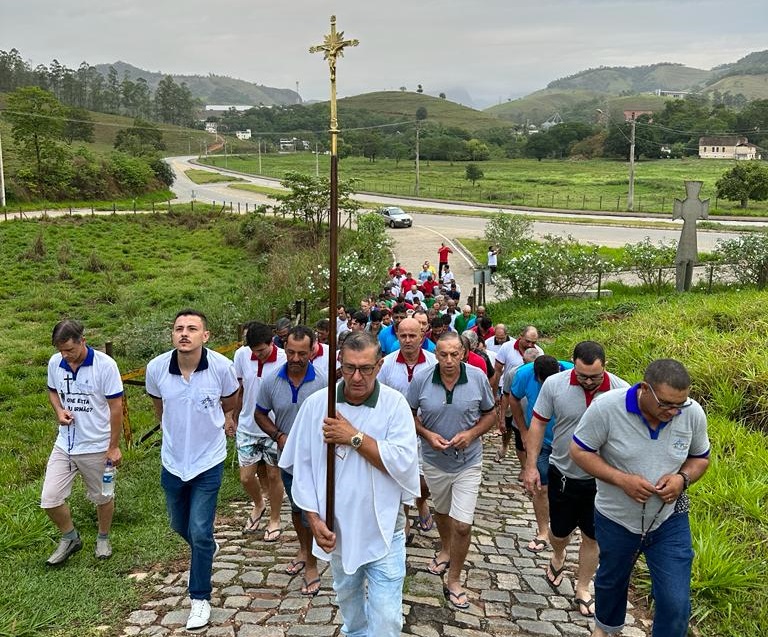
<point>357,440</point>
<point>686,479</point>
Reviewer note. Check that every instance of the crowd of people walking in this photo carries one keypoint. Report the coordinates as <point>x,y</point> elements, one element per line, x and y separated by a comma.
<point>420,381</point>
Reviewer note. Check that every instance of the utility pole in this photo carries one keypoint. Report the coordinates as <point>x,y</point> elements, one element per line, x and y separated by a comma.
<point>317,162</point>
<point>417,159</point>
<point>259,155</point>
<point>2,175</point>
<point>631,191</point>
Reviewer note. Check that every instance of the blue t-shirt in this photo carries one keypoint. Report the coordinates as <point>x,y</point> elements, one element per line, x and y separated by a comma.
<point>525,385</point>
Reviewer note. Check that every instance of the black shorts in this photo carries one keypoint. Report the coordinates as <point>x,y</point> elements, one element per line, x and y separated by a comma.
<point>571,504</point>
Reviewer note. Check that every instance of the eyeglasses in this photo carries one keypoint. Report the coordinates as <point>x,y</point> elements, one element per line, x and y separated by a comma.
<point>365,370</point>
<point>662,404</point>
<point>589,376</point>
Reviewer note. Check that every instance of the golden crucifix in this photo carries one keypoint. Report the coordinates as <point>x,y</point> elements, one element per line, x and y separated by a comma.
<point>332,48</point>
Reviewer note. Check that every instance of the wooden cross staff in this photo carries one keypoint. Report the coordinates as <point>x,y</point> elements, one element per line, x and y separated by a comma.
<point>332,47</point>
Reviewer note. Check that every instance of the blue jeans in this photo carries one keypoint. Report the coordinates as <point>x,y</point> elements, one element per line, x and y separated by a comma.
<point>381,615</point>
<point>192,509</point>
<point>668,554</point>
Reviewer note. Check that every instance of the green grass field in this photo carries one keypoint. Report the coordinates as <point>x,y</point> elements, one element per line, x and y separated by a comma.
<point>580,185</point>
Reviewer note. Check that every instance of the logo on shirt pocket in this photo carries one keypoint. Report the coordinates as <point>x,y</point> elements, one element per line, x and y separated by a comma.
<point>679,446</point>
<point>206,400</point>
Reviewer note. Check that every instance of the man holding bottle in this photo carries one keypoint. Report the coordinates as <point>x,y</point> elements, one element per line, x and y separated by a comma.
<point>85,391</point>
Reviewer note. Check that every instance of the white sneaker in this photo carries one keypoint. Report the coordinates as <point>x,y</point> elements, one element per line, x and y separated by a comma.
<point>199,614</point>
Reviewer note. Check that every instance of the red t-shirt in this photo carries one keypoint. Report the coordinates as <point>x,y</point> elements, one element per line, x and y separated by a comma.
<point>443,253</point>
<point>477,361</point>
<point>406,285</point>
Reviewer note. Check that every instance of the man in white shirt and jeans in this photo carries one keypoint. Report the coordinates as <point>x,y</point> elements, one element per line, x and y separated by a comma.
<point>194,391</point>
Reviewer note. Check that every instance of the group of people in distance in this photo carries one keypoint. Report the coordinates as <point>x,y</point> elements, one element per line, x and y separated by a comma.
<point>416,389</point>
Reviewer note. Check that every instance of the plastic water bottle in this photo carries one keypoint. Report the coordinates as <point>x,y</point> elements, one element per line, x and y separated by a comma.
<point>108,479</point>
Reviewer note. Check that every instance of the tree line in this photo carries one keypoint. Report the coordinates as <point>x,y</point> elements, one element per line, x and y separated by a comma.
<point>50,168</point>
<point>86,88</point>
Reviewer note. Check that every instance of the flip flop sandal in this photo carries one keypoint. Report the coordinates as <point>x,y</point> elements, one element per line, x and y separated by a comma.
<point>308,593</point>
<point>427,523</point>
<point>295,567</point>
<point>438,568</point>
<point>272,535</point>
<point>252,524</point>
<point>455,598</point>
<point>583,605</point>
<point>555,573</point>
<point>536,545</point>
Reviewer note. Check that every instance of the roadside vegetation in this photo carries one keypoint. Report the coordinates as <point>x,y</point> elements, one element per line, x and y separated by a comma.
<point>207,177</point>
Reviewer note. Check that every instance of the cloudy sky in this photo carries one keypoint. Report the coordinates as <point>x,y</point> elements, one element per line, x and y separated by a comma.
<point>492,49</point>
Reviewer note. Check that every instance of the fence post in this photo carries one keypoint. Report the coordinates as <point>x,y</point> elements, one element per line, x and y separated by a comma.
<point>109,349</point>
<point>600,205</point>
<point>568,200</point>
<point>663,201</point>
<point>153,206</point>
<point>93,212</point>
<point>192,205</point>
<point>114,207</point>
<point>599,284</point>
<point>584,202</point>
<point>618,202</point>
<point>238,207</point>
<point>711,275</point>
<point>169,205</point>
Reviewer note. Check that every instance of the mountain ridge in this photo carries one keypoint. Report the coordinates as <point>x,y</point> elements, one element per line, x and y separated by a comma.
<point>211,88</point>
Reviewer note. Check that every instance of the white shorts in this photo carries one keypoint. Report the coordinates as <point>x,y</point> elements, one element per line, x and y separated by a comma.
<point>60,474</point>
<point>455,493</point>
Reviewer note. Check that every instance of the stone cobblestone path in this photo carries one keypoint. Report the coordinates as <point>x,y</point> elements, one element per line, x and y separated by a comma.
<point>253,597</point>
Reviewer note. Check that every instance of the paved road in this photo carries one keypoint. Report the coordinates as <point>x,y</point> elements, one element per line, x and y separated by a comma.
<point>505,583</point>
<point>414,245</point>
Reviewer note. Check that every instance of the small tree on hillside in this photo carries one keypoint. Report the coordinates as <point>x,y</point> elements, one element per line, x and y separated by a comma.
<point>308,200</point>
<point>473,173</point>
<point>745,181</point>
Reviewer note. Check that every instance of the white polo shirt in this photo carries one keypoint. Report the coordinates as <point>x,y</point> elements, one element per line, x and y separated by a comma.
<point>509,355</point>
<point>85,393</point>
<point>250,371</point>
<point>193,420</point>
<point>397,374</point>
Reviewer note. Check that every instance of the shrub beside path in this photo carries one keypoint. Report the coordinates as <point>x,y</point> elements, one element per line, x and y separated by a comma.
<point>253,597</point>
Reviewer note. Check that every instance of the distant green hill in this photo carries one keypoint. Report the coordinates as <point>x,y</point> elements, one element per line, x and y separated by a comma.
<point>572,105</point>
<point>616,80</point>
<point>755,63</point>
<point>753,87</point>
<point>541,105</point>
<point>211,89</point>
<point>403,104</point>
